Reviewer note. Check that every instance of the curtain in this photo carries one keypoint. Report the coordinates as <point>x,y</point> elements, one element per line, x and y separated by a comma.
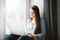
<point>50,15</point>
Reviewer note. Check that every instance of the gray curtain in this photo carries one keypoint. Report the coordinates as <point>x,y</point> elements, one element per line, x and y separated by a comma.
<point>50,15</point>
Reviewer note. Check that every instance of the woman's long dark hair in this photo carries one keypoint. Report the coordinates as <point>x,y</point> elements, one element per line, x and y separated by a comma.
<point>37,14</point>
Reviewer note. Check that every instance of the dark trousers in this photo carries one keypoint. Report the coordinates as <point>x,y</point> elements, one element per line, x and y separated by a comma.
<point>25,38</point>
<point>17,37</point>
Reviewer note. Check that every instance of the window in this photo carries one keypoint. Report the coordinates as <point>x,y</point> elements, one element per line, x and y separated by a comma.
<point>15,15</point>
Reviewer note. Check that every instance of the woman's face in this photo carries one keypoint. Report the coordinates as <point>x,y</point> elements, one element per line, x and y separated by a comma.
<point>32,13</point>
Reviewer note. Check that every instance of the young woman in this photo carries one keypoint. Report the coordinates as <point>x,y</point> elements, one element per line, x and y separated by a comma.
<point>35,29</point>
<point>36,26</point>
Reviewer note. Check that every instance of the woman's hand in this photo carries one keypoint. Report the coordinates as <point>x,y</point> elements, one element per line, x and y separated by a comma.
<point>30,35</point>
<point>35,35</point>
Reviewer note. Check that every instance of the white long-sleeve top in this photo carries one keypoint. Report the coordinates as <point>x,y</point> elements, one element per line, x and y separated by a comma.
<point>31,28</point>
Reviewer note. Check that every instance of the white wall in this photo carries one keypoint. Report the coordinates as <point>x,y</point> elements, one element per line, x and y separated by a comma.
<point>2,19</point>
<point>40,4</point>
<point>28,3</point>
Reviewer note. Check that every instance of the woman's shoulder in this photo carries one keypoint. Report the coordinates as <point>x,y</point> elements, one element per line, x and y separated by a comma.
<point>43,21</point>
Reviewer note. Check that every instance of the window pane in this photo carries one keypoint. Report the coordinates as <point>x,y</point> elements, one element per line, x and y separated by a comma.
<point>15,16</point>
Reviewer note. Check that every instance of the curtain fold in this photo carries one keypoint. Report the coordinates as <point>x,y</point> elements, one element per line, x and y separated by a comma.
<point>50,15</point>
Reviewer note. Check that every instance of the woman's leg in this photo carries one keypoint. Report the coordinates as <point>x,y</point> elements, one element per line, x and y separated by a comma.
<point>11,37</point>
<point>25,38</point>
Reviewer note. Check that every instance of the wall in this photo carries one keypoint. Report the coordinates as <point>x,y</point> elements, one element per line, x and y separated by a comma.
<point>58,18</point>
<point>2,19</point>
